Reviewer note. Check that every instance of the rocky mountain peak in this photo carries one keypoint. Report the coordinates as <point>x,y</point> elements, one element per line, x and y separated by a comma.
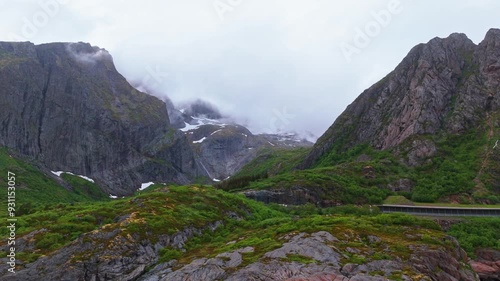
<point>492,36</point>
<point>447,85</point>
<point>66,106</point>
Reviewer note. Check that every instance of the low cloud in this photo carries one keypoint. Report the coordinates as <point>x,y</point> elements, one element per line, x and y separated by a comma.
<point>255,58</point>
<point>83,54</point>
<point>201,108</point>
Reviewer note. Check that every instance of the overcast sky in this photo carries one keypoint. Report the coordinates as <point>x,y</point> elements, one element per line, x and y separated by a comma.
<point>290,65</point>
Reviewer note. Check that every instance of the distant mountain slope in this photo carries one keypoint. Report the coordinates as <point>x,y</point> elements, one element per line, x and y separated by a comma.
<point>36,188</point>
<point>222,147</point>
<point>445,86</point>
<point>429,130</point>
<point>66,106</point>
<point>438,112</point>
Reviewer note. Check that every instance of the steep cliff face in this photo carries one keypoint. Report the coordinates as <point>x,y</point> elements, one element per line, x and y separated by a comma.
<point>222,151</point>
<point>447,86</point>
<point>66,106</point>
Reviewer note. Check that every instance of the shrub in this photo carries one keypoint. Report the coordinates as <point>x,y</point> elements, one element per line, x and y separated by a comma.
<point>49,241</point>
<point>167,254</point>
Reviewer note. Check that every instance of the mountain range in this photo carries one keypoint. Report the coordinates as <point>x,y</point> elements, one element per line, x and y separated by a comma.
<point>65,107</point>
<point>115,184</point>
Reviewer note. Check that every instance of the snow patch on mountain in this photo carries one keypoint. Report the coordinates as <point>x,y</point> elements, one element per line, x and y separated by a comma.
<point>59,173</point>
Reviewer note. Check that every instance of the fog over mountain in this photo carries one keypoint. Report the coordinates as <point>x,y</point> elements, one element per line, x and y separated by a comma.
<point>282,65</point>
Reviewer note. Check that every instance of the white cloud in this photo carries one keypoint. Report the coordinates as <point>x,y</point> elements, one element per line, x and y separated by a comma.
<point>264,56</point>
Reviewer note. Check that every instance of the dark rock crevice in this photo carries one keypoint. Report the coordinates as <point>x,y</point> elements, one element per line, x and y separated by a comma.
<point>43,109</point>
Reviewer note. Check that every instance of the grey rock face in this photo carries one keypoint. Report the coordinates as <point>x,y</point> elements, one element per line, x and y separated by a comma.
<point>295,195</point>
<point>66,106</point>
<point>103,255</point>
<point>313,247</point>
<point>401,185</point>
<point>418,152</point>
<point>428,261</point>
<point>223,149</point>
<point>325,264</point>
<point>487,264</point>
<point>445,86</point>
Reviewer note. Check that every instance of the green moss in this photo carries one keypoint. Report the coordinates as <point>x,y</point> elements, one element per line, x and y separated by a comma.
<point>298,258</point>
<point>356,259</point>
<point>27,257</point>
<point>377,273</point>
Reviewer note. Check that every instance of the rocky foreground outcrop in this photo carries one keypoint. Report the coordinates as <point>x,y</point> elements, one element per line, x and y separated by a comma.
<point>487,264</point>
<point>320,260</point>
<point>195,233</point>
<point>302,257</point>
<point>107,254</point>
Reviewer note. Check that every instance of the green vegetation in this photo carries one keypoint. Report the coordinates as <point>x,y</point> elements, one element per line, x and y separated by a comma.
<point>330,184</point>
<point>398,200</point>
<point>348,182</point>
<point>167,254</point>
<point>362,174</point>
<point>35,189</point>
<point>266,235</point>
<point>85,188</point>
<point>274,161</point>
<point>161,210</point>
<point>452,171</point>
<point>474,233</point>
<point>269,162</point>
<point>299,258</point>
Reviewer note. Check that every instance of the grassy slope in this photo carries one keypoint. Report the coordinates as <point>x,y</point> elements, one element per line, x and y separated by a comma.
<point>458,171</point>
<point>345,182</point>
<point>160,211</point>
<point>452,175</point>
<point>269,162</point>
<point>33,188</point>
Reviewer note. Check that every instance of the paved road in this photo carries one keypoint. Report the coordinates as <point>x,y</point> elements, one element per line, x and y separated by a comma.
<point>441,211</point>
